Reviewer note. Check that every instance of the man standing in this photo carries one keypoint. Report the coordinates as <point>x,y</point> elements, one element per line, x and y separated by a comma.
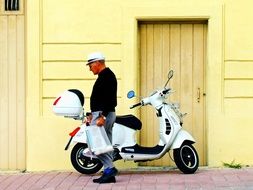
<point>103,101</point>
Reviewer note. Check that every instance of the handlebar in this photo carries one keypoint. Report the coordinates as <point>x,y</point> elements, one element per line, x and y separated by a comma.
<point>155,95</point>
<point>166,91</point>
<point>135,105</point>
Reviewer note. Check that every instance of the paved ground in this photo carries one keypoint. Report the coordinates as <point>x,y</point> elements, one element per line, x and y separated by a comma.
<point>204,178</point>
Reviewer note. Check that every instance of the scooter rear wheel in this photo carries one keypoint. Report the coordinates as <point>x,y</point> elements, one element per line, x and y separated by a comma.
<point>84,164</point>
<point>186,158</point>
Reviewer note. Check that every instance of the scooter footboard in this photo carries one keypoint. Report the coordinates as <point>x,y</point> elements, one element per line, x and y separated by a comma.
<point>180,138</point>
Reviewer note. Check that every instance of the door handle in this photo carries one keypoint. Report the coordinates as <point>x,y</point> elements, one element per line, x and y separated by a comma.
<point>198,95</point>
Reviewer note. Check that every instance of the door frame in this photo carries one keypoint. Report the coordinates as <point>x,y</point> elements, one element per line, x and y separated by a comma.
<point>214,53</point>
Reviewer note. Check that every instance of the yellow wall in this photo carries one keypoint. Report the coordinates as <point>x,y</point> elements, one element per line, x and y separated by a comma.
<point>60,35</point>
<point>232,137</point>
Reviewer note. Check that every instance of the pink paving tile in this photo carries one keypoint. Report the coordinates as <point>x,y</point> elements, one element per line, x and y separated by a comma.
<point>3,177</point>
<point>249,184</point>
<point>149,179</point>
<point>81,181</point>
<point>233,179</point>
<point>57,180</point>
<point>44,180</point>
<point>76,188</point>
<point>136,179</point>
<point>9,181</point>
<point>122,180</point>
<point>177,187</point>
<point>119,187</point>
<point>19,182</point>
<point>68,182</point>
<point>246,177</point>
<point>162,179</point>
<point>105,186</point>
<point>91,186</point>
<point>150,186</point>
<point>133,187</point>
<point>33,178</point>
<point>162,186</point>
<point>193,185</point>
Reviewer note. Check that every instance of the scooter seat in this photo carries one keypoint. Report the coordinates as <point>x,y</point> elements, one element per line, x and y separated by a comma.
<point>129,121</point>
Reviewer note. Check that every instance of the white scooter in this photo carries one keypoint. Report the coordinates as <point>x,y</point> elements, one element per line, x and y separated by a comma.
<point>172,136</point>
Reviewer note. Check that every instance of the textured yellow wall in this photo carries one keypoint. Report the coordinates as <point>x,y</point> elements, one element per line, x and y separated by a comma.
<point>60,35</point>
<point>231,135</point>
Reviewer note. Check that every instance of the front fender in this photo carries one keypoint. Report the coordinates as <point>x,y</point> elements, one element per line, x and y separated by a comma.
<point>180,138</point>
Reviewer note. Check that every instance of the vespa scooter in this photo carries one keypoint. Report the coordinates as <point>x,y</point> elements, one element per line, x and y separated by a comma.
<point>172,135</point>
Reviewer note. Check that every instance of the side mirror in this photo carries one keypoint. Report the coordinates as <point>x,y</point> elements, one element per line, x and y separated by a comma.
<point>130,94</point>
<point>170,74</point>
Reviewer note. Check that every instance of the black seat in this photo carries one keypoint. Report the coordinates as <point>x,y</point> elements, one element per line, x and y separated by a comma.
<point>130,121</point>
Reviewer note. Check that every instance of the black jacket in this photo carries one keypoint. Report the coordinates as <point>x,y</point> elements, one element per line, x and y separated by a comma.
<point>104,92</point>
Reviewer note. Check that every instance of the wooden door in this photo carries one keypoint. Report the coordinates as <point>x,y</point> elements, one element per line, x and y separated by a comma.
<point>181,47</point>
<point>12,88</point>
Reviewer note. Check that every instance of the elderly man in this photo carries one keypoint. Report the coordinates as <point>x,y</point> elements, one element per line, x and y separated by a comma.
<point>103,101</point>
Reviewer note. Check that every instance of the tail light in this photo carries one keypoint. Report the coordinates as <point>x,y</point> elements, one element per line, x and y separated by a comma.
<point>73,133</point>
<point>56,101</point>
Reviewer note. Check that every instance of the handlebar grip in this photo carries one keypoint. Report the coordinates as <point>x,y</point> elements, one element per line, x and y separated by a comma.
<point>166,91</point>
<point>135,105</point>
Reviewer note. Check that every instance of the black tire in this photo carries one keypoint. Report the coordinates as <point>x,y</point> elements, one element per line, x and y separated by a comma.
<point>84,164</point>
<point>186,158</point>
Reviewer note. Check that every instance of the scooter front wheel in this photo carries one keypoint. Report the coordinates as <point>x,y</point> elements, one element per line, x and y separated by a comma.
<point>84,164</point>
<point>186,158</point>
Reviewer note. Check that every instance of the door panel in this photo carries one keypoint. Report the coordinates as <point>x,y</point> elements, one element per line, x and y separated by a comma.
<point>12,95</point>
<point>181,47</point>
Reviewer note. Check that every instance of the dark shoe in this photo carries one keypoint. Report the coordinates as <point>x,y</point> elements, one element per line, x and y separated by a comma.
<point>105,180</point>
<point>108,176</point>
<point>97,180</point>
<point>108,180</point>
